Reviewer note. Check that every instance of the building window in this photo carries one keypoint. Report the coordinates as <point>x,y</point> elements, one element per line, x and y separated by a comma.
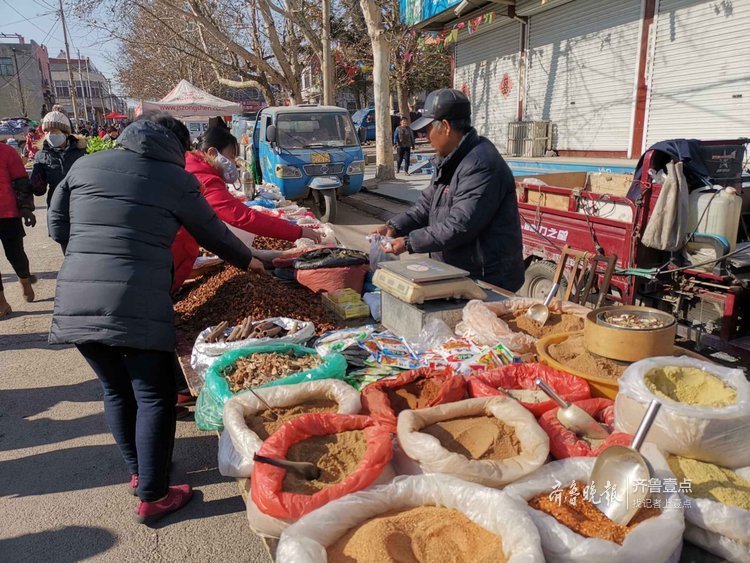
<point>6,66</point>
<point>62,89</point>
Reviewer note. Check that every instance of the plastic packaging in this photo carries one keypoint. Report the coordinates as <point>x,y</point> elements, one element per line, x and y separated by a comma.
<point>717,435</point>
<point>330,258</point>
<point>206,353</point>
<point>375,398</point>
<point>216,392</point>
<point>493,510</point>
<point>373,302</point>
<point>655,540</point>
<point>266,481</point>
<point>340,340</point>
<point>434,458</point>
<point>721,546</point>
<point>238,443</point>
<point>522,376</point>
<point>377,253</point>
<point>434,333</point>
<point>564,443</point>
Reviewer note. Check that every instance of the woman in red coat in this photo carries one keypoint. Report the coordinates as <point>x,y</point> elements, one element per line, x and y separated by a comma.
<point>214,167</point>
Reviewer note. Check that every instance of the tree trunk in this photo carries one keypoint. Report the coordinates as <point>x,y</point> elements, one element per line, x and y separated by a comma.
<point>403,101</point>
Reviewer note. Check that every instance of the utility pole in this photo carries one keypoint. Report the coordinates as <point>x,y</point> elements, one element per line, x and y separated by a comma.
<point>101,98</point>
<point>83,88</point>
<point>67,60</point>
<point>327,64</point>
<point>111,99</point>
<point>20,88</point>
<point>88,85</point>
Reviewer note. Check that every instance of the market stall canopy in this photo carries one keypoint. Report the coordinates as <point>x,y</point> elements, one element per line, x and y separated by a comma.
<point>186,100</point>
<point>115,115</point>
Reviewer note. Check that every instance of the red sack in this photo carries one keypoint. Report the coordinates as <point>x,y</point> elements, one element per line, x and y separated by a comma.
<point>522,376</point>
<point>266,480</point>
<point>564,443</point>
<point>377,402</point>
<point>331,279</point>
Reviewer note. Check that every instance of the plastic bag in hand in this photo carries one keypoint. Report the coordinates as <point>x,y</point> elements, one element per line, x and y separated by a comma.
<point>377,254</point>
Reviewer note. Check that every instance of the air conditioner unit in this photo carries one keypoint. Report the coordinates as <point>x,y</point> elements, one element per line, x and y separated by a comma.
<point>529,138</point>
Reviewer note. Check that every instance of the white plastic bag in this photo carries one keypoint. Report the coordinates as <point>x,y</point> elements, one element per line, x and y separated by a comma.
<point>206,353</point>
<point>654,541</point>
<point>238,443</point>
<point>432,457</point>
<point>718,435</point>
<point>493,510</point>
<point>377,252</point>
<point>721,546</point>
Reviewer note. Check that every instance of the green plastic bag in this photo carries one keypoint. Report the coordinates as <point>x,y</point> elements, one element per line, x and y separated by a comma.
<point>215,392</point>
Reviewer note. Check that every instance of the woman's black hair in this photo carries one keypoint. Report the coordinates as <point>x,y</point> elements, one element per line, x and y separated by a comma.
<point>174,125</point>
<point>218,138</point>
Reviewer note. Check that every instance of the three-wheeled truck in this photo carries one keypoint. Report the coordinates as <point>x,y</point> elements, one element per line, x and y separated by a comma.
<point>711,299</point>
<point>308,151</point>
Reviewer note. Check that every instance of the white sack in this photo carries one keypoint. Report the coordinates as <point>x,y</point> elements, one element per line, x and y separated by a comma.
<point>432,457</point>
<point>721,546</point>
<point>238,443</point>
<point>655,540</point>
<point>718,435</point>
<point>493,510</point>
<point>206,353</point>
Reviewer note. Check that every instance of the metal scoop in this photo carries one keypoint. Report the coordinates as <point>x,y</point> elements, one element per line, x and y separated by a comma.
<point>574,417</point>
<point>276,415</point>
<point>304,469</point>
<point>624,468</point>
<point>539,312</point>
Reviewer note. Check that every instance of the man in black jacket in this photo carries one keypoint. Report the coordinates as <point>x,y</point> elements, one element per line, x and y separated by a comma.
<point>468,216</point>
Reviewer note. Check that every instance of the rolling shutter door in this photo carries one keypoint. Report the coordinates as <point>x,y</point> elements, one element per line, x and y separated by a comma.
<point>482,59</point>
<point>700,71</point>
<point>582,66</point>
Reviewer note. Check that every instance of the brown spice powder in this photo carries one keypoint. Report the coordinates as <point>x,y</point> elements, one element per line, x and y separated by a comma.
<point>573,354</point>
<point>476,437</point>
<point>415,395</point>
<point>427,534</point>
<point>337,455</point>
<point>584,518</point>
<point>265,423</point>
<point>556,323</point>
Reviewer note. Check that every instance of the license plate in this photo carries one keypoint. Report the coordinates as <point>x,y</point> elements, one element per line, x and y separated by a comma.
<point>320,158</point>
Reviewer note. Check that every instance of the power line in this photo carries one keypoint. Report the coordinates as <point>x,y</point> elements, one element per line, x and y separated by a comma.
<point>36,17</point>
<point>24,17</point>
<point>32,59</point>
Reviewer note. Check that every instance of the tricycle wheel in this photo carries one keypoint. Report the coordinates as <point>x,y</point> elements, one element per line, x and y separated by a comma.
<point>539,278</point>
<point>325,205</point>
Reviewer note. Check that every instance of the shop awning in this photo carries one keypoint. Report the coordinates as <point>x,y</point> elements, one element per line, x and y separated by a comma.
<point>115,115</point>
<point>187,100</point>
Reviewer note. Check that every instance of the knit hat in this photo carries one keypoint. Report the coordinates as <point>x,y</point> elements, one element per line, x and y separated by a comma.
<point>56,120</point>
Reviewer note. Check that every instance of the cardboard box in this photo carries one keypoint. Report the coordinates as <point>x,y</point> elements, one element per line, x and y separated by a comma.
<point>553,201</point>
<point>608,183</point>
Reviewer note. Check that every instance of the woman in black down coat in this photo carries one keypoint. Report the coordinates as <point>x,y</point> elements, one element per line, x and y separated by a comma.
<point>118,211</point>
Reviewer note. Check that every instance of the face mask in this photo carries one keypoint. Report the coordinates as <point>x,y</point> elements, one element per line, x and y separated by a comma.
<point>56,139</point>
<point>231,174</point>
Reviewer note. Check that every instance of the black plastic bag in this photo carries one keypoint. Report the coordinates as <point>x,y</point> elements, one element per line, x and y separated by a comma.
<point>330,258</point>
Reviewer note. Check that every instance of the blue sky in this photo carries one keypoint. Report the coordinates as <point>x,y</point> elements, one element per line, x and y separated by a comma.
<point>39,20</point>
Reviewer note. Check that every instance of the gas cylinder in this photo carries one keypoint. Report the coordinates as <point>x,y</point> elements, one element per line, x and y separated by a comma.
<point>716,211</point>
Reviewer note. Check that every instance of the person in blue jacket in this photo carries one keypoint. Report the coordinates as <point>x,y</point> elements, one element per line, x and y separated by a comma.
<point>468,216</point>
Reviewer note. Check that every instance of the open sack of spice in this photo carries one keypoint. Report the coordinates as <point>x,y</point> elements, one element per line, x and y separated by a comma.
<point>572,528</point>
<point>248,421</point>
<point>215,341</point>
<point>717,506</point>
<point>492,441</point>
<point>415,389</point>
<point>352,453</point>
<point>564,443</point>
<point>487,323</point>
<point>705,411</point>
<point>260,366</point>
<point>423,518</point>
<point>517,380</point>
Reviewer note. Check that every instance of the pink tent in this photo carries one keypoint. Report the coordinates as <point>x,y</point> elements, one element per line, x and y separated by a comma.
<point>186,100</point>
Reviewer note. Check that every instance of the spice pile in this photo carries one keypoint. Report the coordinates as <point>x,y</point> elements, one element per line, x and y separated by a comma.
<point>261,368</point>
<point>572,353</point>
<point>415,395</point>
<point>712,482</point>
<point>584,518</point>
<point>526,395</point>
<point>476,437</point>
<point>267,243</point>
<point>689,385</point>
<point>556,323</point>
<point>634,321</point>
<point>337,455</point>
<point>232,295</point>
<point>266,422</point>
<point>425,534</point>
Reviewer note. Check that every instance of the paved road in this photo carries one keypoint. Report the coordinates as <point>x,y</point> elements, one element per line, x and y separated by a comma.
<point>62,481</point>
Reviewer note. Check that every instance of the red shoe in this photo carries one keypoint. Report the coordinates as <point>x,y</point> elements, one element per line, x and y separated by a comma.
<point>177,497</point>
<point>185,399</point>
<point>133,486</point>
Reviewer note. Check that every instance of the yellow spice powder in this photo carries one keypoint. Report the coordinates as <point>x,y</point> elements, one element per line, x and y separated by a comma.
<point>691,386</point>
<point>712,482</point>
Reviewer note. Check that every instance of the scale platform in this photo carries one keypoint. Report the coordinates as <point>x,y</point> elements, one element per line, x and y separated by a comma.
<point>417,281</point>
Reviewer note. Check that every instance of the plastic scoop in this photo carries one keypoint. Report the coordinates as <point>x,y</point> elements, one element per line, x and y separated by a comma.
<point>539,312</point>
<point>619,469</point>
<point>304,469</point>
<point>574,417</point>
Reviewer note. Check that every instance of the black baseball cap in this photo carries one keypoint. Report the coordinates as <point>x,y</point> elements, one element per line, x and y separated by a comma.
<point>446,103</point>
